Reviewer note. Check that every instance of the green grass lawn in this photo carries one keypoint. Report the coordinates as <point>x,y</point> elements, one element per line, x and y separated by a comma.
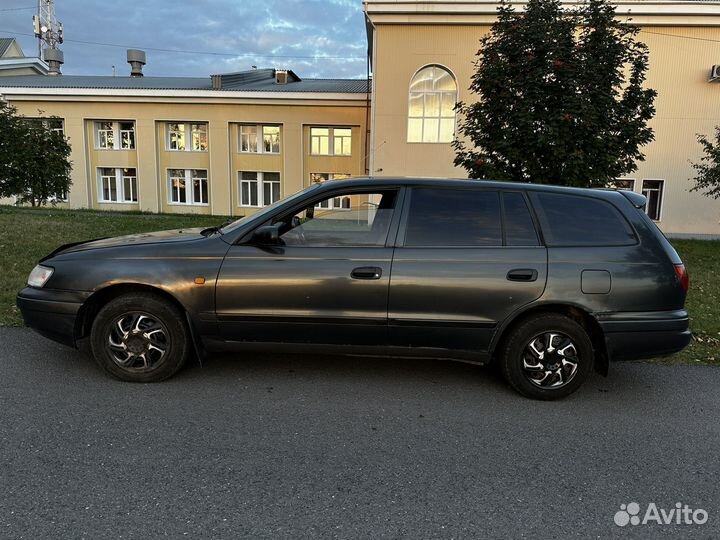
<point>27,234</point>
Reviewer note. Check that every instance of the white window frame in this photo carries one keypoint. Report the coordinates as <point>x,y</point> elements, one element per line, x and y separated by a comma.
<point>632,183</point>
<point>189,179</point>
<point>337,202</point>
<point>330,141</point>
<point>424,117</point>
<point>259,147</point>
<point>46,121</point>
<point>259,188</point>
<point>117,134</point>
<point>661,195</point>
<point>189,131</point>
<point>119,179</point>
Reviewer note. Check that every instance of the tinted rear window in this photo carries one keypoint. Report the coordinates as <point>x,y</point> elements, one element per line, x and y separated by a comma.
<point>570,220</point>
<point>454,217</point>
<point>519,226</point>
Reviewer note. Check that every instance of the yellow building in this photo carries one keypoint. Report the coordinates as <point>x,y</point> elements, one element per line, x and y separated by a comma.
<point>227,144</point>
<point>423,52</point>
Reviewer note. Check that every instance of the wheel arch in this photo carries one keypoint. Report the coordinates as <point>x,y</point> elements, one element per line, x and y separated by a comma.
<point>573,312</point>
<point>102,296</point>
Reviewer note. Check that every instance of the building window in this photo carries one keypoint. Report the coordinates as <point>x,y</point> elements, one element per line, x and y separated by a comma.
<point>56,125</point>
<point>653,191</point>
<point>342,141</point>
<point>330,141</point>
<point>337,203</point>
<point>53,124</point>
<point>258,188</point>
<point>267,143</point>
<point>431,114</point>
<point>624,184</point>
<point>117,185</point>
<point>61,196</point>
<point>115,135</point>
<point>187,137</point>
<point>188,186</point>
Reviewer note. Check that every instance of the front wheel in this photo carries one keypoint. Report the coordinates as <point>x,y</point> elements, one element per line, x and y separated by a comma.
<point>547,357</point>
<point>140,337</point>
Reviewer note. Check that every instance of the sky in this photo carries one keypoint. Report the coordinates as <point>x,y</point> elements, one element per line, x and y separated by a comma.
<point>288,34</point>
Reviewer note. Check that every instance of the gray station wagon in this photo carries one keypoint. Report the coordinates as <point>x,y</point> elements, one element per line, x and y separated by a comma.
<point>547,282</point>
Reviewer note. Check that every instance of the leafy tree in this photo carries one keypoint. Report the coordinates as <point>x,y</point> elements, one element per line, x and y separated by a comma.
<point>34,164</point>
<point>707,178</point>
<point>560,97</point>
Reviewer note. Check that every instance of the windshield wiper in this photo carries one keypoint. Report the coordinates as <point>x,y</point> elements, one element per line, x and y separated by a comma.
<point>212,230</point>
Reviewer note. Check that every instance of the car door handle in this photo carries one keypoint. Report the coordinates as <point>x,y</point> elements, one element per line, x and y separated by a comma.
<point>366,272</point>
<point>522,274</point>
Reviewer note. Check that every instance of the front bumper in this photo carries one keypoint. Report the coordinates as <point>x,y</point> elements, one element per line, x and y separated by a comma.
<point>51,313</point>
<point>631,336</point>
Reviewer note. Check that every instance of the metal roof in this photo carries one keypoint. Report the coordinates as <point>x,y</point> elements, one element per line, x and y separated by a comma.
<point>5,44</point>
<point>249,81</point>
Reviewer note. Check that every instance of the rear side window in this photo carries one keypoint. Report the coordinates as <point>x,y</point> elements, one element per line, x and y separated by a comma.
<point>519,226</point>
<point>570,220</point>
<point>453,217</point>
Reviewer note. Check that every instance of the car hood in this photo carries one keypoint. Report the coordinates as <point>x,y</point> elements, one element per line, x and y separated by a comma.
<point>158,237</point>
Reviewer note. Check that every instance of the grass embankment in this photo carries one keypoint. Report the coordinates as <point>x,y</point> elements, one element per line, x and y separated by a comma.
<point>27,234</point>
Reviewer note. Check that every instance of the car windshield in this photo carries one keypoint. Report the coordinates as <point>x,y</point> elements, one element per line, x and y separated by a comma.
<point>258,215</point>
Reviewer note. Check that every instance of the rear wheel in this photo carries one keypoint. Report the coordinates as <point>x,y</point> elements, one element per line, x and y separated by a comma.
<point>140,337</point>
<point>547,357</point>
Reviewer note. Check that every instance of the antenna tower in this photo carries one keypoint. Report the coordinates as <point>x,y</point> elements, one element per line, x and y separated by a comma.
<point>49,32</point>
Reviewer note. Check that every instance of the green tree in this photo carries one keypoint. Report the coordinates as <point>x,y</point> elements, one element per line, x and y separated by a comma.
<point>707,177</point>
<point>560,97</point>
<point>34,164</point>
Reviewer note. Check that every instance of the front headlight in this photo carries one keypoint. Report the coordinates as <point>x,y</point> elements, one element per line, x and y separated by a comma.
<point>39,275</point>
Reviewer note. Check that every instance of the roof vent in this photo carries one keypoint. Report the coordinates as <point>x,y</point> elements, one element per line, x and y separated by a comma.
<point>136,59</point>
<point>216,82</point>
<point>281,76</point>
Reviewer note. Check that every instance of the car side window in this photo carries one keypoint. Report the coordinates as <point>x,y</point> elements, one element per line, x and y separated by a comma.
<point>519,226</point>
<point>453,217</point>
<point>572,220</point>
<point>345,219</point>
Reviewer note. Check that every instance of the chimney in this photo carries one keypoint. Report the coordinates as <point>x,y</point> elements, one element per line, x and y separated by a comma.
<point>216,82</point>
<point>136,59</point>
<point>54,59</point>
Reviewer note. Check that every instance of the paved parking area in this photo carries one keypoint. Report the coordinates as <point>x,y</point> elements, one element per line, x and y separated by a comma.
<point>308,447</point>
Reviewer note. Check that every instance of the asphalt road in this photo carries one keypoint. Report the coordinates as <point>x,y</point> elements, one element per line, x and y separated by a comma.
<point>307,447</point>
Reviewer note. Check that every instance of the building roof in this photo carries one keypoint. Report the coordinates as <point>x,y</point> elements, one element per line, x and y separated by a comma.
<point>5,44</point>
<point>261,80</point>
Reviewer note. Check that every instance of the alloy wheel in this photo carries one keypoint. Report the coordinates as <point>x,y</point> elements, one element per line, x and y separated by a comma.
<point>550,360</point>
<point>137,342</point>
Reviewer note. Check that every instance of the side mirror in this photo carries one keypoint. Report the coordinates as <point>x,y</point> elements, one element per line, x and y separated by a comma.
<point>267,235</point>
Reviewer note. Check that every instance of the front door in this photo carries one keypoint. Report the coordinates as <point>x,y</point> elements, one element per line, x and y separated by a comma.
<point>325,281</point>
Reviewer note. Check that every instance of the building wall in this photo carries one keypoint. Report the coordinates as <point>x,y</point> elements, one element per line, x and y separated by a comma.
<point>151,157</point>
<point>686,104</point>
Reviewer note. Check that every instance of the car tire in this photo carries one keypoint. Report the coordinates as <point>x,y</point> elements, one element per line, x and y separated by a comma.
<point>140,337</point>
<point>546,357</point>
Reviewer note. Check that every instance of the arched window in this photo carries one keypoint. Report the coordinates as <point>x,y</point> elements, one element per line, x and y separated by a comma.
<point>432,97</point>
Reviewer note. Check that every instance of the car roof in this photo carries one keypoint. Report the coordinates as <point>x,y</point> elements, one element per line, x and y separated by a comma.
<point>388,181</point>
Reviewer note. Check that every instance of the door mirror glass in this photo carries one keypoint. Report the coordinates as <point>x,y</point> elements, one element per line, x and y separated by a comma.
<point>267,235</point>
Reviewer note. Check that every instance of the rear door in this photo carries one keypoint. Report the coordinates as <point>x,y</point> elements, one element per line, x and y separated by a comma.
<point>466,259</point>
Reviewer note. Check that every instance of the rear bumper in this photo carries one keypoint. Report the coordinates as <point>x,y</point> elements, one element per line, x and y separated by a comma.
<point>631,336</point>
<point>51,313</point>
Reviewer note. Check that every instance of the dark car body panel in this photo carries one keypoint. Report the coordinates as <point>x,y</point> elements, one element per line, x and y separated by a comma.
<point>449,302</point>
